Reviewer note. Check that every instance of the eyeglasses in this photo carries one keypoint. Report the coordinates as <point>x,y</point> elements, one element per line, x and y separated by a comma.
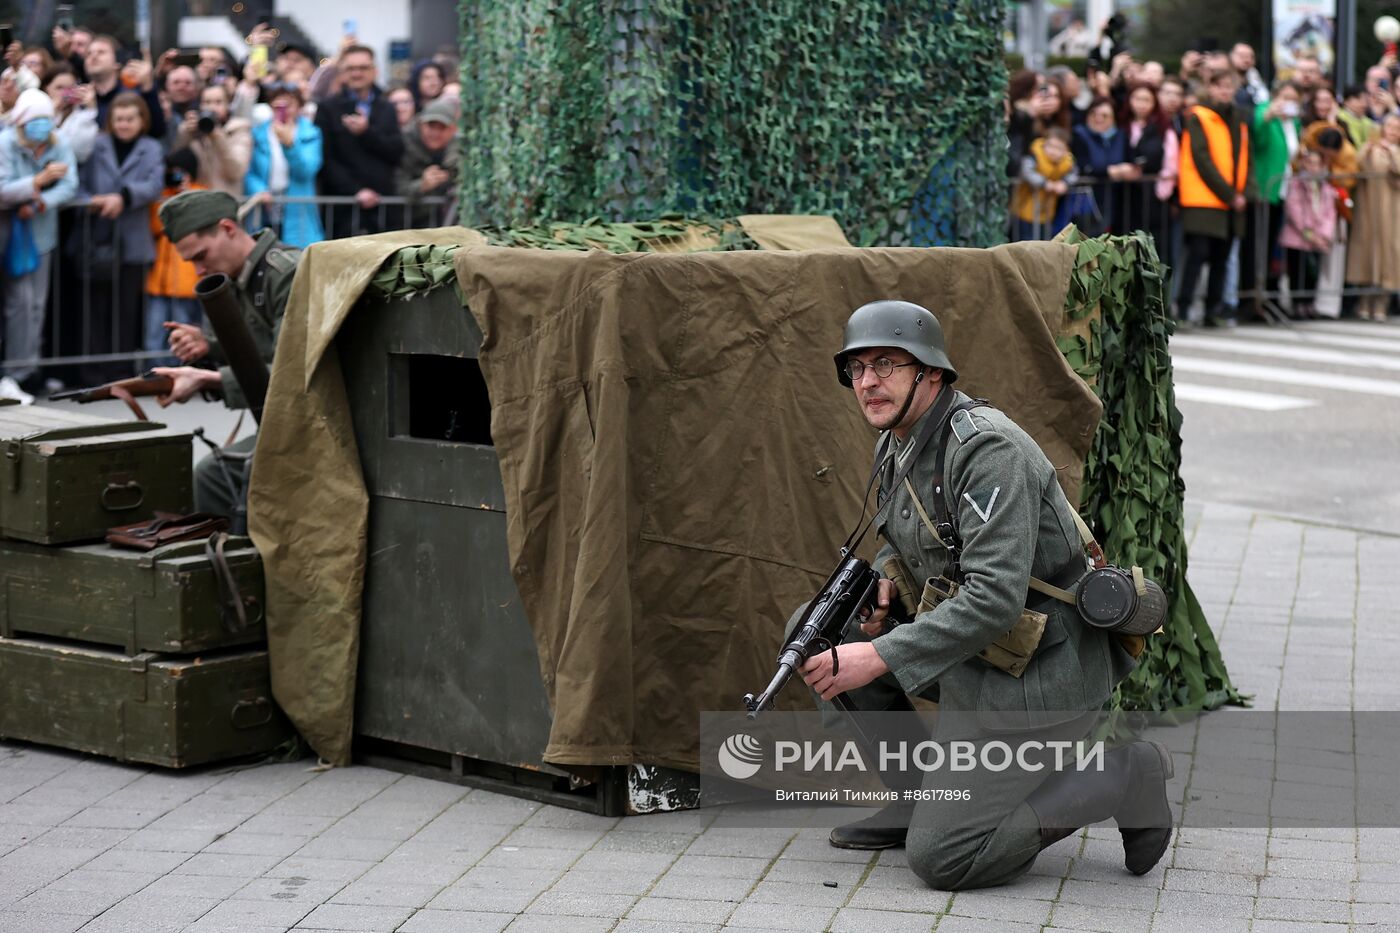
<point>883,367</point>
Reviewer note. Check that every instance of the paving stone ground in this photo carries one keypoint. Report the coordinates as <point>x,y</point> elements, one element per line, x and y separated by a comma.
<point>1307,621</point>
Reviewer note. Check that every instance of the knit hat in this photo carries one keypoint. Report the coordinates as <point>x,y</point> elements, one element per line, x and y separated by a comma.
<point>31,103</point>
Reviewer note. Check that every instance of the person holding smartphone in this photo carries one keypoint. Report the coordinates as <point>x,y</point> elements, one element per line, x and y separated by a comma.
<point>286,159</point>
<point>74,110</point>
<point>1278,129</point>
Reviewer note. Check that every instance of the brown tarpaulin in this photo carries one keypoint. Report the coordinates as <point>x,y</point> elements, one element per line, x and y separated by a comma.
<point>307,506</point>
<point>680,463</point>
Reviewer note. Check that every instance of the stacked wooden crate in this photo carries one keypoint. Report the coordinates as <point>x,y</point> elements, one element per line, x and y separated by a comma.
<point>138,655</point>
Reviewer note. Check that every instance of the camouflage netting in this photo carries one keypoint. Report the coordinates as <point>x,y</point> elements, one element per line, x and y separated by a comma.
<point>887,116</point>
<point>1133,494</point>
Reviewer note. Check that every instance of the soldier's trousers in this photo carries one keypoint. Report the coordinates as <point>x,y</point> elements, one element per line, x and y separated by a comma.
<point>991,839</point>
<point>218,492</point>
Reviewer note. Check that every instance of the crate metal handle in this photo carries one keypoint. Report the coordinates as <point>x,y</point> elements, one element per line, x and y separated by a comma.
<point>250,714</point>
<point>118,488</point>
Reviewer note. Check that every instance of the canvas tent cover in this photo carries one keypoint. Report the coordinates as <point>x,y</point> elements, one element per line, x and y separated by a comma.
<point>679,461</point>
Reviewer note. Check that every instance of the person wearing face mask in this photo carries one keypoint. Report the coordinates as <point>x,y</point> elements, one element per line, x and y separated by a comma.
<point>38,175</point>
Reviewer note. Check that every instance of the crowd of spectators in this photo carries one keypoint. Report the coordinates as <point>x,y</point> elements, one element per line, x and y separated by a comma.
<point>111,133</point>
<point>1252,184</point>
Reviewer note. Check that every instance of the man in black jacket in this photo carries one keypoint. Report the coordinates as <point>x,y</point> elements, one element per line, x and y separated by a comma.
<point>363,146</point>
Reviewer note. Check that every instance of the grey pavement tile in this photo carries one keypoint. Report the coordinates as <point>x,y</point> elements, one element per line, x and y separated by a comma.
<point>357,826</point>
<point>413,871</point>
<point>1312,868</point>
<point>459,852</point>
<point>509,879</point>
<point>654,862</point>
<point>355,917</point>
<point>676,821</point>
<point>553,837</point>
<point>1101,919</point>
<point>663,843</point>
<point>1375,916</point>
<point>55,900</point>
<point>855,920</point>
<point>237,914</point>
<point>29,921</point>
<point>663,926</point>
<point>137,862</point>
<point>239,842</point>
<point>1210,882</point>
<point>951,924</point>
<point>101,816</point>
<point>1202,859</point>
<point>781,917</point>
<point>1377,892</point>
<point>1214,905</point>
<point>195,886</point>
<point>455,921</point>
<point>348,848</point>
<point>483,900</point>
<point>80,837</point>
<point>701,887</point>
<point>241,866</point>
<point>1106,894</point>
<point>1279,908</point>
<point>667,908</point>
<point>843,873</point>
<point>1281,846</point>
<point>543,923</point>
<point>1295,926</point>
<point>288,824</point>
<point>987,905</point>
<point>603,882</point>
<point>33,814</point>
<point>169,840</point>
<point>1306,888</point>
<point>734,843</point>
<point>570,904</point>
<point>388,895</point>
<point>810,893</point>
<point>923,900</point>
<point>519,857</point>
<point>1192,923</point>
<point>319,869</point>
<point>94,879</point>
<point>288,890</point>
<point>718,866</point>
<point>171,909</point>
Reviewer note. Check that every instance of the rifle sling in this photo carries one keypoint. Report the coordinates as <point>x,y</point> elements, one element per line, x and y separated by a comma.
<point>937,416</point>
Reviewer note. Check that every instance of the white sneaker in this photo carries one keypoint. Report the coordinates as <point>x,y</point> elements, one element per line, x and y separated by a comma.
<point>10,389</point>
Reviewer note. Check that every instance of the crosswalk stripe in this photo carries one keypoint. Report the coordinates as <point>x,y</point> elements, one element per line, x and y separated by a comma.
<point>1289,376</point>
<point>1371,329</point>
<point>1319,355</point>
<point>1297,339</point>
<point>1239,398</point>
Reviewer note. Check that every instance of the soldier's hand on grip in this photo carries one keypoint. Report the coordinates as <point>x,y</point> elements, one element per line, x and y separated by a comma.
<point>876,616</point>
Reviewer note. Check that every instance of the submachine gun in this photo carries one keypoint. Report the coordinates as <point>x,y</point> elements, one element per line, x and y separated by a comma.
<point>847,593</point>
<point>851,588</point>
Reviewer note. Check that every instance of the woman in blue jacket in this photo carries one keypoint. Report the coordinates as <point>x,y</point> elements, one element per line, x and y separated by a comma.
<point>38,175</point>
<point>1100,155</point>
<point>286,158</point>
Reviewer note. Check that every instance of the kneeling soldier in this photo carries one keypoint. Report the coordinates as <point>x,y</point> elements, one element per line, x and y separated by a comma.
<point>993,493</point>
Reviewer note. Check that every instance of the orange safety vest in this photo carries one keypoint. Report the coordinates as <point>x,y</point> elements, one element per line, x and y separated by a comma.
<point>1194,192</point>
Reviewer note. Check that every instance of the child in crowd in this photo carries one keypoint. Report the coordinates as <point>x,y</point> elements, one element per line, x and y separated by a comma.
<point>1309,226</point>
<point>1047,171</point>
<point>170,284</point>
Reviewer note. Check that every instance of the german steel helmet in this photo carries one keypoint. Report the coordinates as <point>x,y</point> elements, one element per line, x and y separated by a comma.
<point>900,324</point>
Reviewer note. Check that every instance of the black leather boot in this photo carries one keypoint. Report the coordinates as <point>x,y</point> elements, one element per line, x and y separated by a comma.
<point>884,830</point>
<point>1131,788</point>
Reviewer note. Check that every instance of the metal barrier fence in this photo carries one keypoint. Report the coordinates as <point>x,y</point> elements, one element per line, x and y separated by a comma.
<point>1261,277</point>
<point>95,316</point>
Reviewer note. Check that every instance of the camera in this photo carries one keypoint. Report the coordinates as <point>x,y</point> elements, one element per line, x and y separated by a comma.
<point>208,122</point>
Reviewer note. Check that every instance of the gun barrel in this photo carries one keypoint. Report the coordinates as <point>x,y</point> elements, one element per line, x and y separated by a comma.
<point>765,699</point>
<point>215,292</point>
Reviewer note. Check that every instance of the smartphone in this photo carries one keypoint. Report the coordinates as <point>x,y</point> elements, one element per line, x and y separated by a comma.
<point>7,35</point>
<point>350,27</point>
<point>63,17</point>
<point>257,57</point>
<point>189,59</point>
<point>1383,84</point>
